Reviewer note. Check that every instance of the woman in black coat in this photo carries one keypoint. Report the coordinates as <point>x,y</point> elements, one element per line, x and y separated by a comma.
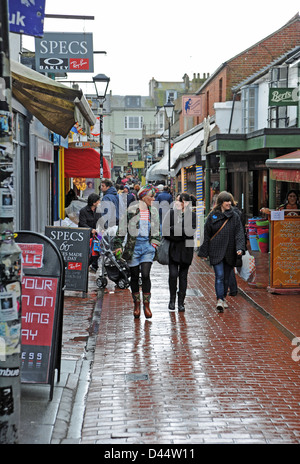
<point>223,240</point>
<point>179,226</point>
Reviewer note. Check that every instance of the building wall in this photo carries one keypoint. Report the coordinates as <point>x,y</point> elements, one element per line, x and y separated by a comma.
<point>246,63</point>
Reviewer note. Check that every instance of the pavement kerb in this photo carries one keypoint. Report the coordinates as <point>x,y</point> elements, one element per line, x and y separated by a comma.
<point>269,316</point>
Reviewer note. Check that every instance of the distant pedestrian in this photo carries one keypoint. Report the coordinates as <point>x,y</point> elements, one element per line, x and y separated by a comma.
<point>164,200</point>
<point>179,226</point>
<point>141,228</point>
<point>223,241</point>
<point>109,204</point>
<point>88,217</point>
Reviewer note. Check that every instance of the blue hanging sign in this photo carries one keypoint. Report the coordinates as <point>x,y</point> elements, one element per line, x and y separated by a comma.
<point>27,17</point>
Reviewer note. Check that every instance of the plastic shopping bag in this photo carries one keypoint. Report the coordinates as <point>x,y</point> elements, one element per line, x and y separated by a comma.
<point>248,267</point>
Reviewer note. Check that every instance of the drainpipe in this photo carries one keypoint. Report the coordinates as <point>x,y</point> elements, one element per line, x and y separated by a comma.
<point>232,109</point>
<point>222,164</point>
<point>272,183</point>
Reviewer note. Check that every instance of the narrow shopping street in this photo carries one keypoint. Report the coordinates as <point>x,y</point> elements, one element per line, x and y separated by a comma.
<point>193,377</point>
<point>196,377</point>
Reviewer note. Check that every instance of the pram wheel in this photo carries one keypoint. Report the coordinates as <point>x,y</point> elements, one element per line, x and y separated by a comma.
<point>122,283</point>
<point>101,282</point>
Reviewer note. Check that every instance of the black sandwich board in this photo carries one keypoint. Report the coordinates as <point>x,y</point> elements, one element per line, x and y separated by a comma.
<point>74,245</point>
<point>42,308</point>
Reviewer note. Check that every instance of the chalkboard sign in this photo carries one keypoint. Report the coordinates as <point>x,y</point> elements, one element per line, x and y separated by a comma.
<point>285,254</point>
<point>42,308</point>
<point>74,245</point>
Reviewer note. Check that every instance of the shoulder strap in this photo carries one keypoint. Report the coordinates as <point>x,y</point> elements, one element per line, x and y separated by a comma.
<point>224,224</point>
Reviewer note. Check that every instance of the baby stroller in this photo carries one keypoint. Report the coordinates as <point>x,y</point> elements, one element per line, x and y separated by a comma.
<point>115,269</point>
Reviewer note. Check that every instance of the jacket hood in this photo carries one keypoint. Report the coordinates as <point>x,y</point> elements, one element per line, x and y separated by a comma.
<point>111,191</point>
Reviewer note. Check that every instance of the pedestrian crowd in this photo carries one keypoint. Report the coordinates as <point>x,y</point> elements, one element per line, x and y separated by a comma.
<point>148,222</point>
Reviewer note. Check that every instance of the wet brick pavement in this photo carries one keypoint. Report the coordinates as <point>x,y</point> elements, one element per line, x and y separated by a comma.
<point>198,376</point>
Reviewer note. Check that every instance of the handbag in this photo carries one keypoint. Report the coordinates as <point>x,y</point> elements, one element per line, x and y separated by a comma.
<point>162,253</point>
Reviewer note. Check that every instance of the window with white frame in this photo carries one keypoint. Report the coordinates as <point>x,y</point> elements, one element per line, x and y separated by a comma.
<point>249,108</point>
<point>131,145</point>
<point>278,115</point>
<point>133,122</point>
<point>172,95</point>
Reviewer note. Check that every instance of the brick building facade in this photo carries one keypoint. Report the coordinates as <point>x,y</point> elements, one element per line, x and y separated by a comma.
<point>218,88</point>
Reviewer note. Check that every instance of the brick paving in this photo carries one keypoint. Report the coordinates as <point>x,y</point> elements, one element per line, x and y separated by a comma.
<point>193,377</point>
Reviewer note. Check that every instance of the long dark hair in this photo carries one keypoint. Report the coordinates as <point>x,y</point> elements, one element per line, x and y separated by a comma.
<point>223,196</point>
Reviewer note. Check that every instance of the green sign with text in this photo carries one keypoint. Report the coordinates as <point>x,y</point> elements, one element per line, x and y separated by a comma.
<point>283,96</point>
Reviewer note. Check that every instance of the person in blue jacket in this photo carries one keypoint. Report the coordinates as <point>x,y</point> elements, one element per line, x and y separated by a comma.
<point>163,201</point>
<point>109,204</point>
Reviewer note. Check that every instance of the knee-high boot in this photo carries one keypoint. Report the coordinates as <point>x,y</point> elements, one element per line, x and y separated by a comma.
<point>137,305</point>
<point>172,290</point>
<point>181,297</point>
<point>146,302</point>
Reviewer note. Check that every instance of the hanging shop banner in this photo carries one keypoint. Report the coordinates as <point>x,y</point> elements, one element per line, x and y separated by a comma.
<point>59,52</point>
<point>74,245</point>
<point>283,96</point>
<point>285,253</point>
<point>191,105</point>
<point>27,17</point>
<point>42,308</point>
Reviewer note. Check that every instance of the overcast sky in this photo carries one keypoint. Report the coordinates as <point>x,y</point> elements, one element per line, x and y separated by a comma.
<point>165,39</point>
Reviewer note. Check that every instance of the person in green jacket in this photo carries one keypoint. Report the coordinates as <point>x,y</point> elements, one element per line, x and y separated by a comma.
<point>140,226</point>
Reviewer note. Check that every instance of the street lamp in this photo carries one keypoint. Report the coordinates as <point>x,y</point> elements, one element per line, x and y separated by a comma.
<point>101,82</point>
<point>169,109</point>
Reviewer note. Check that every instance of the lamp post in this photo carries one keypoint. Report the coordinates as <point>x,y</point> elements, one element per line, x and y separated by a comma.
<point>101,82</point>
<point>169,109</point>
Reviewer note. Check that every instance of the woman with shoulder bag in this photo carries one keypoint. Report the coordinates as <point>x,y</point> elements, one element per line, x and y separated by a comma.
<point>179,226</point>
<point>223,242</point>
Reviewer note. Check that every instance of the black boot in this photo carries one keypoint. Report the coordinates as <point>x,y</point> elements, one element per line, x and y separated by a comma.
<point>172,302</point>
<point>181,297</point>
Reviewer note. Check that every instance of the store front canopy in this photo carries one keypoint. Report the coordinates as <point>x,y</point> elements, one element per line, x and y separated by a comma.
<point>84,162</point>
<point>182,147</point>
<point>285,168</point>
<point>57,107</point>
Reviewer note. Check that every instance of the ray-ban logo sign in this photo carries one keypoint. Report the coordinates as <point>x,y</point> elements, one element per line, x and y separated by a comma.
<point>64,52</point>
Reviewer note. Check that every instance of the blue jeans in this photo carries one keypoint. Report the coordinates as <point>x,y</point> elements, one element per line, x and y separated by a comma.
<point>222,273</point>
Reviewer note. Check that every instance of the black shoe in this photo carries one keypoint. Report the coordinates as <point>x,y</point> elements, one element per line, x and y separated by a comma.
<point>181,297</point>
<point>171,304</point>
<point>233,293</point>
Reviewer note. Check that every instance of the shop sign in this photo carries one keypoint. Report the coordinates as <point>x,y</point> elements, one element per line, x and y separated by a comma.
<point>45,151</point>
<point>42,308</point>
<point>191,105</point>
<point>283,96</point>
<point>59,52</point>
<point>120,159</point>
<point>27,17</point>
<point>285,253</point>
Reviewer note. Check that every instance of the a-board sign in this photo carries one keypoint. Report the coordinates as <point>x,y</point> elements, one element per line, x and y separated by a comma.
<point>74,245</point>
<point>285,253</point>
<point>42,308</point>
